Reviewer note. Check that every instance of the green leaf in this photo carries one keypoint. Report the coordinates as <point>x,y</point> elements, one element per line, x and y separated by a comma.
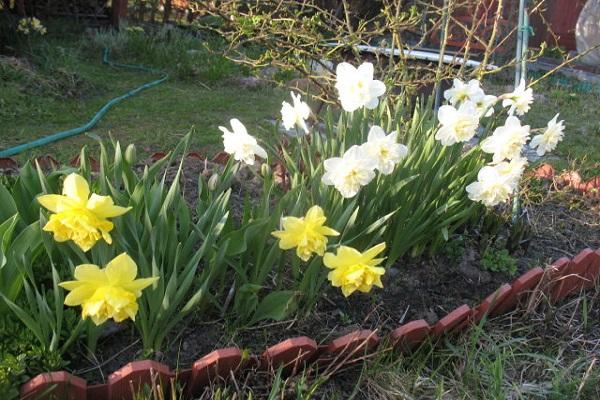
<point>276,306</point>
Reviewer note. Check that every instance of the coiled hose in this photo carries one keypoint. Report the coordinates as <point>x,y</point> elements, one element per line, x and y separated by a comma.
<point>11,151</point>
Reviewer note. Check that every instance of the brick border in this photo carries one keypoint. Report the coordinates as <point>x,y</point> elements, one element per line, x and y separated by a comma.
<point>560,280</point>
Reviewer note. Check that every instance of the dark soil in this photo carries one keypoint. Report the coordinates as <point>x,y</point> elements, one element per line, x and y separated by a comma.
<point>561,224</point>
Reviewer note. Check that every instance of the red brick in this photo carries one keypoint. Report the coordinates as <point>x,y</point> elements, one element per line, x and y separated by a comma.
<point>593,271</point>
<point>544,171</point>
<point>561,281</point>
<point>46,162</point>
<point>94,164</point>
<point>291,353</point>
<point>159,155</point>
<point>60,385</point>
<point>8,164</point>
<point>523,284</point>
<point>490,305</point>
<point>98,392</point>
<point>453,320</point>
<point>410,335</point>
<point>349,348</point>
<point>221,158</point>
<point>133,377</point>
<point>197,155</point>
<point>219,363</point>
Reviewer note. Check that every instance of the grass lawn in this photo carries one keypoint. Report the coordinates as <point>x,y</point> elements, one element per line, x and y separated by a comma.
<point>37,100</point>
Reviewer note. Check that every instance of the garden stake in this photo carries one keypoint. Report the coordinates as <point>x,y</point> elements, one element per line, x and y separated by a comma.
<point>520,74</point>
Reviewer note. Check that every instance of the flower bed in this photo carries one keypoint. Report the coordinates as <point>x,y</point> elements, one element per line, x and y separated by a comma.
<point>342,204</point>
<point>561,279</point>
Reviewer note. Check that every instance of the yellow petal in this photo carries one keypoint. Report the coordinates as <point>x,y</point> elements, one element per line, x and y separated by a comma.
<point>325,230</point>
<point>79,295</point>
<point>76,188</point>
<point>315,215</point>
<point>90,273</point>
<point>104,207</point>
<point>373,251</point>
<point>55,202</point>
<point>292,224</point>
<point>139,284</point>
<point>121,270</point>
<point>70,285</point>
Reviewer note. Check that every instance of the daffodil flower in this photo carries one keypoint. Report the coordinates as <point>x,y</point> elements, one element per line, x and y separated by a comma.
<point>457,125</point>
<point>461,91</point>
<point>109,293</point>
<point>356,86</point>
<point>507,140</point>
<point>307,234</point>
<point>295,115</point>
<point>240,144</point>
<point>548,141</point>
<point>519,101</point>
<point>495,183</point>
<point>353,270</point>
<point>78,216</point>
<point>384,149</point>
<point>349,172</point>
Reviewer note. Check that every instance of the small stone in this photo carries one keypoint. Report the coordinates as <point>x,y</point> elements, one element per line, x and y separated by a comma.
<point>392,272</point>
<point>431,317</point>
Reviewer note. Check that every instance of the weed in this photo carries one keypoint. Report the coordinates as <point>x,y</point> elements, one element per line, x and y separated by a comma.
<point>499,261</point>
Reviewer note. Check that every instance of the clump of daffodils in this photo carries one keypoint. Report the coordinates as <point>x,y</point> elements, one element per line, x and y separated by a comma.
<point>356,167</point>
<point>108,293</point>
<point>352,270</point>
<point>31,25</point>
<point>460,119</point>
<point>79,217</point>
<point>307,234</point>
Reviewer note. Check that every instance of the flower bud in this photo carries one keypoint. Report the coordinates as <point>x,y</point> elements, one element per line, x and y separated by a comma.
<point>130,154</point>
<point>213,182</point>
<point>265,170</point>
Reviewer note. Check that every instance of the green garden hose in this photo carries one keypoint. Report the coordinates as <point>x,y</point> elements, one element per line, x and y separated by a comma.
<point>11,151</point>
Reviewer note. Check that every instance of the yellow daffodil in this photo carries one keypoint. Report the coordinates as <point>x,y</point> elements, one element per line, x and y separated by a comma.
<point>78,216</point>
<point>353,270</point>
<point>107,293</point>
<point>308,234</point>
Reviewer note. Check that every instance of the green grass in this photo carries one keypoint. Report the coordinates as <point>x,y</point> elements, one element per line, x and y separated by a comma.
<point>581,145</point>
<point>61,84</point>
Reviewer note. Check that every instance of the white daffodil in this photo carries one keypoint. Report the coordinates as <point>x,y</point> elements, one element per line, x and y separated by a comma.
<point>519,101</point>
<point>295,114</point>
<point>457,125</point>
<point>507,141</point>
<point>384,149</point>
<point>485,104</point>
<point>356,86</point>
<point>240,144</point>
<point>461,91</point>
<point>512,171</point>
<point>547,141</point>
<point>349,172</point>
<point>494,185</point>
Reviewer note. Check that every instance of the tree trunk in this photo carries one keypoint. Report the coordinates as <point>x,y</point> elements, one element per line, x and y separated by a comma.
<point>167,12</point>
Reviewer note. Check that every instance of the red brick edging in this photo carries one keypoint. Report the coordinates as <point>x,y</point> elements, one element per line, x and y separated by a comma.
<point>563,278</point>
